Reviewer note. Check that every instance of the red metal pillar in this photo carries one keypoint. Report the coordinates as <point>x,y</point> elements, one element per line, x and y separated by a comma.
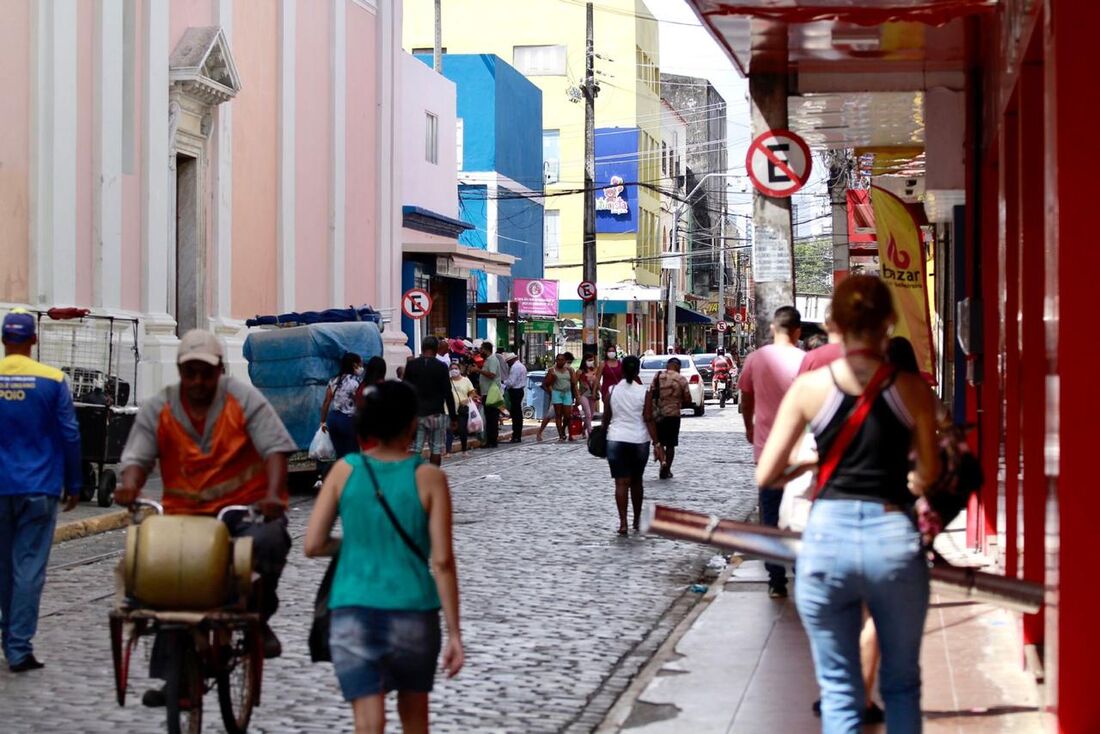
<point>1074,596</point>
<point>1033,362</point>
<point>989,396</point>
<point>1010,345</point>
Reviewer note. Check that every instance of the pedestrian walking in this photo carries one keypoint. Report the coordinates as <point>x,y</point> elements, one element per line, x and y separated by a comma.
<point>40,455</point>
<point>516,386</point>
<point>767,375</point>
<point>670,392</point>
<point>396,567</point>
<point>218,442</point>
<point>432,383</point>
<point>443,351</point>
<point>588,391</point>
<point>491,373</point>
<point>860,545</point>
<point>630,430</point>
<point>463,391</point>
<point>338,409</point>
<point>561,383</point>
<point>609,373</point>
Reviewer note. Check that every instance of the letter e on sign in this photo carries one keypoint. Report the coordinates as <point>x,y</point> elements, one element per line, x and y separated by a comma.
<point>416,303</point>
<point>587,291</point>
<point>778,163</point>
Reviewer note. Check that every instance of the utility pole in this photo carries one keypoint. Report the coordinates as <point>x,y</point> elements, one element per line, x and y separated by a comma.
<point>437,53</point>
<point>589,330</point>
<point>670,309</point>
<point>722,279</point>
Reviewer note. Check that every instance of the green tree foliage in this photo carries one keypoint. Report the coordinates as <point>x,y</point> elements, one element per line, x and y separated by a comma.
<point>813,266</point>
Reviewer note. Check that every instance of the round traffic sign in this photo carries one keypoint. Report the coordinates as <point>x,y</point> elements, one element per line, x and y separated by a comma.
<point>587,291</point>
<point>416,303</point>
<point>779,163</point>
<point>723,326</point>
<point>738,317</point>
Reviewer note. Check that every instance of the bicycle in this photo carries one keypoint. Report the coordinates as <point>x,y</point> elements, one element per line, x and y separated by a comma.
<point>197,649</point>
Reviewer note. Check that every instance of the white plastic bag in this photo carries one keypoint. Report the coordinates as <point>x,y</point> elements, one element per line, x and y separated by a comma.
<point>321,448</point>
<point>474,423</point>
<point>794,509</point>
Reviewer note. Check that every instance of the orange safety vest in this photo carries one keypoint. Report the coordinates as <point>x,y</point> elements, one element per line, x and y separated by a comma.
<point>232,473</point>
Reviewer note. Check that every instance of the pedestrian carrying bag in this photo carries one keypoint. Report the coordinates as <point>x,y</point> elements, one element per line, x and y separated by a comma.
<point>474,422</point>
<point>321,448</point>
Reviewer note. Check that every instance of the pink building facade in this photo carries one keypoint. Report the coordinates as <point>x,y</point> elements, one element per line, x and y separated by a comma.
<point>198,162</point>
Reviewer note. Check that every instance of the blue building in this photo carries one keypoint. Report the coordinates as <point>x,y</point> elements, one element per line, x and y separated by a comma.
<point>500,173</point>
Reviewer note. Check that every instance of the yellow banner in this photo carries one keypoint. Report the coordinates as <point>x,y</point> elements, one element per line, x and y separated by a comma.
<point>902,267</point>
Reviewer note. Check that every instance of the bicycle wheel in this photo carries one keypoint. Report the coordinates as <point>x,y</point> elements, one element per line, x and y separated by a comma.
<point>183,686</point>
<point>239,678</point>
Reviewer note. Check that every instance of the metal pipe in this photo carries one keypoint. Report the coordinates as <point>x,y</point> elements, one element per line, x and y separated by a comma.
<point>783,546</point>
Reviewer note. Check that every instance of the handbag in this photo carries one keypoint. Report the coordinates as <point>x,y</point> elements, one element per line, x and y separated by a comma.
<point>319,650</point>
<point>597,442</point>
<point>960,477</point>
<point>794,508</point>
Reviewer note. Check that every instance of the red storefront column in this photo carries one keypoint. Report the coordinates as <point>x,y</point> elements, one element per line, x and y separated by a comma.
<point>1010,345</point>
<point>1074,598</point>
<point>1033,361</point>
<point>989,395</point>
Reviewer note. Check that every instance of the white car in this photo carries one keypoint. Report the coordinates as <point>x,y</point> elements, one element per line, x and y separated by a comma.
<point>653,364</point>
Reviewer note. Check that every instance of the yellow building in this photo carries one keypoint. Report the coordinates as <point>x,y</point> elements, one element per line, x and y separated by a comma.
<point>545,40</point>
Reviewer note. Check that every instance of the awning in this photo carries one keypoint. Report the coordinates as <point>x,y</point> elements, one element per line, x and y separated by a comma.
<point>460,257</point>
<point>688,316</point>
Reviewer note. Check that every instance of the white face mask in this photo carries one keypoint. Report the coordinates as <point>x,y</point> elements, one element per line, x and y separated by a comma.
<point>455,373</point>
<point>360,370</point>
<point>611,354</point>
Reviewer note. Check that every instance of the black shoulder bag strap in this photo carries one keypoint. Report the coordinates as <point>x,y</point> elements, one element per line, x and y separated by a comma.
<point>393,518</point>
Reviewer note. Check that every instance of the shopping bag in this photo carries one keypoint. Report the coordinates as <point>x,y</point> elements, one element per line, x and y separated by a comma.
<point>576,425</point>
<point>798,494</point>
<point>319,651</point>
<point>321,448</point>
<point>494,398</point>
<point>597,442</point>
<point>474,422</point>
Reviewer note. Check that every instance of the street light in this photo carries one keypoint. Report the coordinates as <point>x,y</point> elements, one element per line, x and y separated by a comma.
<point>671,316</point>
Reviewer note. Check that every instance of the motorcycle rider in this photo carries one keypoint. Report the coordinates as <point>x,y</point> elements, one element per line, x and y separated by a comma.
<point>723,370</point>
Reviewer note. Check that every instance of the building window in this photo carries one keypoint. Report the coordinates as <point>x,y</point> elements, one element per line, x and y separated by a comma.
<point>427,51</point>
<point>431,137</point>
<point>539,60</point>
<point>551,156</point>
<point>551,236</point>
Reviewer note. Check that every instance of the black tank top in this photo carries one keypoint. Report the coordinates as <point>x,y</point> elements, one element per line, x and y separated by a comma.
<point>875,466</point>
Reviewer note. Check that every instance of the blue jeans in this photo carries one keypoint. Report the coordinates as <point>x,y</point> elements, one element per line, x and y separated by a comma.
<point>26,535</point>
<point>770,499</point>
<point>856,553</point>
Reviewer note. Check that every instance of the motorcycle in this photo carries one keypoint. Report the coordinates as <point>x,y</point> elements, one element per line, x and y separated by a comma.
<point>722,388</point>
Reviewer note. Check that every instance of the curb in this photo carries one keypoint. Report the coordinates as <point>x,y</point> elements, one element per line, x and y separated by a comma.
<point>619,712</point>
<point>90,526</point>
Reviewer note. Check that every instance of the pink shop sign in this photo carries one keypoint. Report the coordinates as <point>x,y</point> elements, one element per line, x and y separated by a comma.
<point>535,297</point>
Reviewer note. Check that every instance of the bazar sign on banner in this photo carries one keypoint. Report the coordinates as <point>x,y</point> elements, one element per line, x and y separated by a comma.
<point>901,254</point>
<point>535,297</point>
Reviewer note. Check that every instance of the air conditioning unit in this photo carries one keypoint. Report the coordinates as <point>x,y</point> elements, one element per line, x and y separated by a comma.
<point>551,172</point>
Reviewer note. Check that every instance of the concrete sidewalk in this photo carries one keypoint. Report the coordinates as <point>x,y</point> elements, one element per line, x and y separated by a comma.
<point>743,665</point>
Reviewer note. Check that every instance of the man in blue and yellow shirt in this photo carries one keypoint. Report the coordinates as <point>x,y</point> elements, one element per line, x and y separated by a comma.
<point>40,456</point>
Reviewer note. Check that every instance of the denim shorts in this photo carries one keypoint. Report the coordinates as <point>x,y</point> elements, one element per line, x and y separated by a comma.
<point>561,397</point>
<point>380,650</point>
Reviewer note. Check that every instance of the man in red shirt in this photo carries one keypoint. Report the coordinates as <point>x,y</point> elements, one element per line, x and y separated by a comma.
<point>826,354</point>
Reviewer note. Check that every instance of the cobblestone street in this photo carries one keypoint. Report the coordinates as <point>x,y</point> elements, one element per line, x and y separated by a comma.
<point>558,612</point>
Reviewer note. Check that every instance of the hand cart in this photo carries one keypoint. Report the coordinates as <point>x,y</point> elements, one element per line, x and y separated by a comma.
<point>102,369</point>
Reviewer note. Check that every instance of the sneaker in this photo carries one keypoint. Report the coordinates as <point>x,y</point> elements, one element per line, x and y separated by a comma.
<point>873,714</point>
<point>817,708</point>
<point>272,647</point>
<point>27,663</point>
<point>154,698</point>
<point>777,592</point>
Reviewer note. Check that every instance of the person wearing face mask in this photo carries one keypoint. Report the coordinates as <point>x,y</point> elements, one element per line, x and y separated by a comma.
<point>339,422</point>
<point>609,373</point>
<point>587,390</point>
<point>464,392</point>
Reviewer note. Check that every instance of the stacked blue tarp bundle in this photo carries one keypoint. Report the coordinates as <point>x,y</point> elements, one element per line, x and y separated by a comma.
<point>328,316</point>
<point>292,367</point>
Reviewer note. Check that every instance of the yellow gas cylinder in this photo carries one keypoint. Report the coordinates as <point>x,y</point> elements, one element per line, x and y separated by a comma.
<point>179,562</point>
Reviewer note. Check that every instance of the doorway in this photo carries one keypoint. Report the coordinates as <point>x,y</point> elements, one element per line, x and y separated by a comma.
<point>188,251</point>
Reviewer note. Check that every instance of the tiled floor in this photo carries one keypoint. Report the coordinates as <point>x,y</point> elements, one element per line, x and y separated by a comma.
<point>745,667</point>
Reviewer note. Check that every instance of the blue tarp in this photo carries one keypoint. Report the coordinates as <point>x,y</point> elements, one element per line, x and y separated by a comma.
<point>292,366</point>
<point>329,316</point>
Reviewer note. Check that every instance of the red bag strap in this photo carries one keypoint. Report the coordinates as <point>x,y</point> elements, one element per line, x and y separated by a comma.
<point>851,426</point>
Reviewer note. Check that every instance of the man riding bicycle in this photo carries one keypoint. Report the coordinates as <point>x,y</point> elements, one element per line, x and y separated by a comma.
<point>219,443</point>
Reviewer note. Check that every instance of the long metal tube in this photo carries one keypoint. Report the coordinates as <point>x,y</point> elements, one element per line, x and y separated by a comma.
<point>782,546</point>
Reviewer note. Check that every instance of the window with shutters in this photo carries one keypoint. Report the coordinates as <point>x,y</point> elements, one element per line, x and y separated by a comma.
<point>539,60</point>
<point>551,236</point>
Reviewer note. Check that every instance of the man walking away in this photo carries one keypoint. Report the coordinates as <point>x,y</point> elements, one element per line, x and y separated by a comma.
<point>670,390</point>
<point>516,383</point>
<point>432,382</point>
<point>492,371</point>
<point>40,455</point>
<point>765,379</point>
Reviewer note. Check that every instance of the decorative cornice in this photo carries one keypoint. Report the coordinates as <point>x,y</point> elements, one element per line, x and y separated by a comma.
<point>202,66</point>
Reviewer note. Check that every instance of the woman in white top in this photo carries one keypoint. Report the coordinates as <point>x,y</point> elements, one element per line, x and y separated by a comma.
<point>630,428</point>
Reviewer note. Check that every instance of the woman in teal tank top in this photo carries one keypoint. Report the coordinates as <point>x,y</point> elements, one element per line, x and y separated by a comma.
<point>396,566</point>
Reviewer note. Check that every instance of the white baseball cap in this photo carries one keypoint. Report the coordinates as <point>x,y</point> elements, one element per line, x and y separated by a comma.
<point>200,345</point>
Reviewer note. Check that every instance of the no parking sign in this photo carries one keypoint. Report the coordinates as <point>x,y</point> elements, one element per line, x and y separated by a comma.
<point>778,163</point>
